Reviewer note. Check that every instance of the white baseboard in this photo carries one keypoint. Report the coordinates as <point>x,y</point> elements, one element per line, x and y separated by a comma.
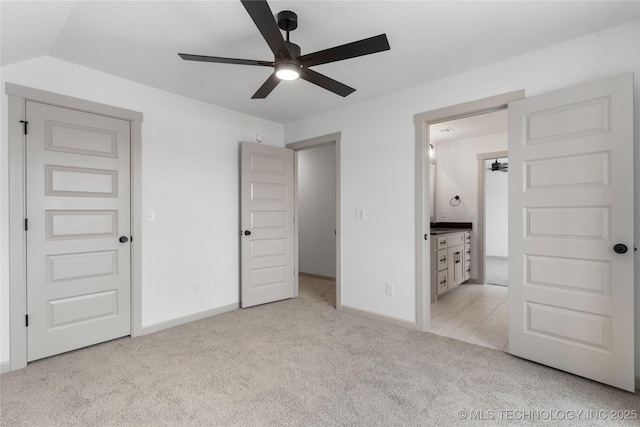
<point>187,319</point>
<point>371,315</point>
<point>5,367</point>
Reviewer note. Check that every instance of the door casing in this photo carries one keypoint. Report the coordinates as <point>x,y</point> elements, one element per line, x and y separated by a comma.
<point>318,142</point>
<point>422,122</point>
<point>18,95</point>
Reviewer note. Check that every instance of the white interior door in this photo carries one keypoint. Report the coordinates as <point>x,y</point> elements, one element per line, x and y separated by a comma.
<point>266,221</point>
<point>571,300</point>
<point>78,206</point>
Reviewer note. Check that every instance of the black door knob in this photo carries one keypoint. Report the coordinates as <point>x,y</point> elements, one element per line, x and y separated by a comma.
<point>620,248</point>
<point>123,239</point>
<point>247,233</point>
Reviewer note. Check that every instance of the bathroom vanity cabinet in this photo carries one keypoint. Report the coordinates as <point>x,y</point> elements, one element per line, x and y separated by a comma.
<point>450,260</point>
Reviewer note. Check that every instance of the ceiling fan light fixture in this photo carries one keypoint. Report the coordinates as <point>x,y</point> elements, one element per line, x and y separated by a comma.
<point>287,71</point>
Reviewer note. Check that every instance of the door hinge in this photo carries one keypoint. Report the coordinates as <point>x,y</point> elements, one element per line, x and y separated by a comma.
<point>26,320</point>
<point>26,224</point>
<point>25,123</point>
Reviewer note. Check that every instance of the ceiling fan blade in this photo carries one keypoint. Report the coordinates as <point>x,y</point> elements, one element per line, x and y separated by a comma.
<point>266,87</point>
<point>217,59</point>
<point>326,82</point>
<point>350,50</point>
<point>263,18</point>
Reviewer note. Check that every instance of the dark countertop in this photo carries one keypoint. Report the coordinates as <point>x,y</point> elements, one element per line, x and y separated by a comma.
<point>438,231</point>
<point>449,227</point>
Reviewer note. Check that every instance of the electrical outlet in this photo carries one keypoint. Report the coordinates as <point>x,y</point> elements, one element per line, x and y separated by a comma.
<point>214,284</point>
<point>443,214</point>
<point>361,214</point>
<point>389,288</point>
<point>197,287</point>
<point>472,214</point>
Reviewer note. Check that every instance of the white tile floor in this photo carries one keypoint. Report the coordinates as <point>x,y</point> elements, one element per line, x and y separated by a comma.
<point>477,314</point>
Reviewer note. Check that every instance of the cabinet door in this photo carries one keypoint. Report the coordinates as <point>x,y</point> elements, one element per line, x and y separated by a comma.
<point>455,262</point>
<point>442,259</point>
<point>442,282</point>
<point>467,270</point>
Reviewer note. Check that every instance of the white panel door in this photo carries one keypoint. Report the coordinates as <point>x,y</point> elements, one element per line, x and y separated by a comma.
<point>78,207</point>
<point>570,203</point>
<point>267,232</point>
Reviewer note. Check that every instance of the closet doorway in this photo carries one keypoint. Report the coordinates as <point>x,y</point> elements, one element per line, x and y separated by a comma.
<point>317,219</point>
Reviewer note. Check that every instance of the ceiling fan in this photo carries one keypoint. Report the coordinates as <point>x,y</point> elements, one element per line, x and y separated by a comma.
<point>497,166</point>
<point>288,63</point>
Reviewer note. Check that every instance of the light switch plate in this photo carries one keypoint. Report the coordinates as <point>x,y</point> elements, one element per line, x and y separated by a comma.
<point>151,216</point>
<point>472,214</point>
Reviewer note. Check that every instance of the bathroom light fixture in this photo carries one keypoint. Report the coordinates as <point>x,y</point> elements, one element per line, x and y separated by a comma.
<point>287,71</point>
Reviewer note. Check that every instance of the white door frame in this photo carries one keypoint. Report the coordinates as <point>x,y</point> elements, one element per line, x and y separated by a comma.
<point>482,226</point>
<point>422,122</point>
<point>18,95</point>
<point>317,142</point>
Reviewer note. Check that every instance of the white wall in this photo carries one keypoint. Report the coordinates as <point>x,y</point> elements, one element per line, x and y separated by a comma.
<point>457,175</point>
<point>496,201</point>
<point>378,148</point>
<point>189,178</point>
<point>317,210</point>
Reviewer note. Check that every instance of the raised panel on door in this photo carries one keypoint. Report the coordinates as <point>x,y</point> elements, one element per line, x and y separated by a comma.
<point>267,239</point>
<point>78,204</point>
<point>570,201</point>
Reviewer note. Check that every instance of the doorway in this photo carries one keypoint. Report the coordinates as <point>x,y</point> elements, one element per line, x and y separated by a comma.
<point>496,220</point>
<point>317,213</point>
<point>471,311</point>
<point>423,224</point>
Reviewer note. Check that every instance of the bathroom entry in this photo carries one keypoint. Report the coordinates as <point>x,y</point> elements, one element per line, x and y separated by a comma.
<point>496,172</point>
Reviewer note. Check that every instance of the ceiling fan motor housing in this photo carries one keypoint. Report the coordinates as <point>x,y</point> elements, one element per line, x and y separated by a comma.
<point>287,20</point>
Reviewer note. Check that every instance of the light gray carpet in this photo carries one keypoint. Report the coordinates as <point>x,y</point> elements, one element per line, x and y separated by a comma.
<point>497,270</point>
<point>292,363</point>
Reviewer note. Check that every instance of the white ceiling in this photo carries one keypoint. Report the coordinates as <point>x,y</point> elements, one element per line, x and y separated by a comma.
<point>469,127</point>
<point>139,41</point>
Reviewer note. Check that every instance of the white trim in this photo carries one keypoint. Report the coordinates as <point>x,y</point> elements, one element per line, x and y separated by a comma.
<point>380,317</point>
<point>423,250</point>
<point>157,327</point>
<point>482,244</point>
<point>18,95</point>
<point>5,367</point>
<point>72,103</point>
<point>317,142</point>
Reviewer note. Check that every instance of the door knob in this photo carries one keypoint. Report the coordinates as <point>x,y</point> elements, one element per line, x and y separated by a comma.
<point>247,233</point>
<point>620,248</point>
<point>123,239</point>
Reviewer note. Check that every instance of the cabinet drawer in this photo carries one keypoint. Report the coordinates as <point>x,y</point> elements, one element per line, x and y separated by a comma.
<point>467,252</point>
<point>467,237</point>
<point>442,259</point>
<point>441,242</point>
<point>442,281</point>
<point>467,271</point>
<point>455,239</point>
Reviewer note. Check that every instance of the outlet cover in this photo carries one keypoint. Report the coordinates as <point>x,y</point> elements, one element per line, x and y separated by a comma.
<point>389,288</point>
<point>361,214</point>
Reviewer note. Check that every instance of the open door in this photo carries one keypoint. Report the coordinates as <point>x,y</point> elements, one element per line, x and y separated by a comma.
<point>571,246</point>
<point>267,228</point>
